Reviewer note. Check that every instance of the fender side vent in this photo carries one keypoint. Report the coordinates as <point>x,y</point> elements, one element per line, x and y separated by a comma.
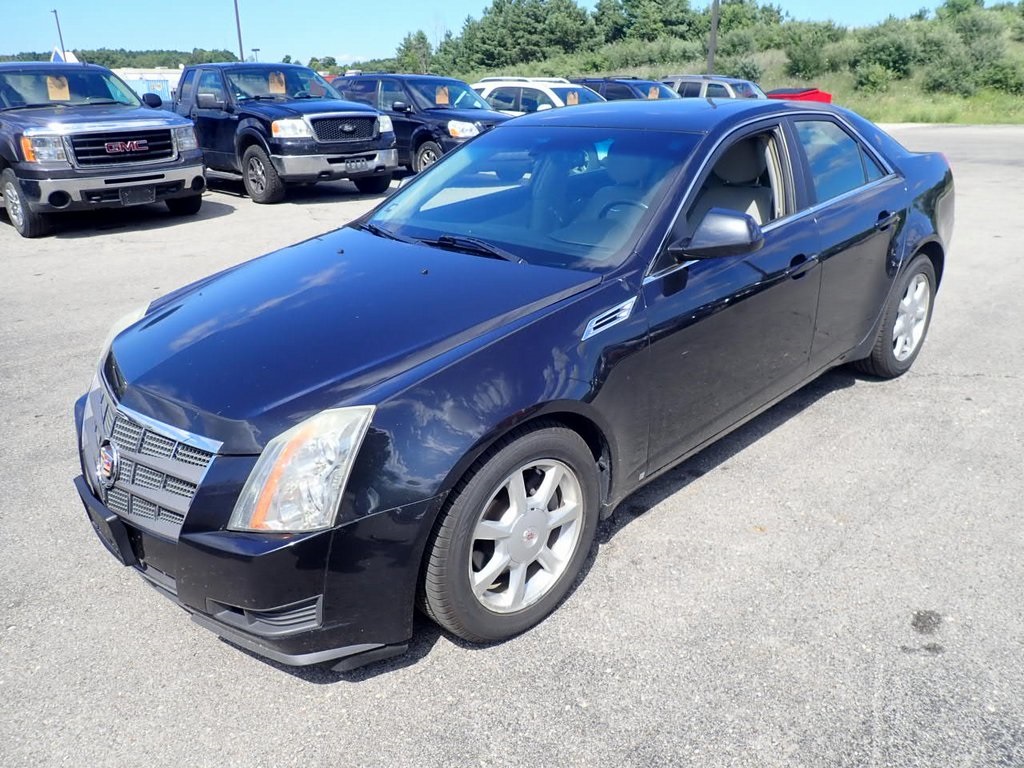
<point>609,317</point>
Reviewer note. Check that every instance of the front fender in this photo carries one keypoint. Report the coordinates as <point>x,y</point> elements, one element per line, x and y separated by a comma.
<point>249,128</point>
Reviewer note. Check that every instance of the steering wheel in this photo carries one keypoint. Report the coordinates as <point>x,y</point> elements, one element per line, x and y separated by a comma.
<point>619,203</point>
<point>301,94</point>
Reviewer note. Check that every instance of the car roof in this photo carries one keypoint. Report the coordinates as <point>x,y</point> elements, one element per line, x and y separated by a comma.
<point>401,75</point>
<point>685,115</point>
<point>230,64</point>
<point>711,78</point>
<point>8,65</point>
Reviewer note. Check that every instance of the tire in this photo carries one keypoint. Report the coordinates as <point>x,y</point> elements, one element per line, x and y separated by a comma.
<point>26,222</point>
<point>905,322</point>
<point>428,153</point>
<point>184,206</point>
<point>262,183</point>
<point>495,568</point>
<point>373,185</point>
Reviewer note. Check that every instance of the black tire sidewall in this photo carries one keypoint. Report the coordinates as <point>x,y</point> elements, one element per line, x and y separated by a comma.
<point>373,185</point>
<point>425,146</point>
<point>886,357</point>
<point>556,443</point>
<point>32,224</point>
<point>274,190</point>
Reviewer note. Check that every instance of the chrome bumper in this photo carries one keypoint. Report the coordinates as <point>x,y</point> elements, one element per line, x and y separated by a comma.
<point>75,187</point>
<point>313,167</point>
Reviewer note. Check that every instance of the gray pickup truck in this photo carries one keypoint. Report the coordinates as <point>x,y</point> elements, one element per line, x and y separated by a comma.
<point>75,137</point>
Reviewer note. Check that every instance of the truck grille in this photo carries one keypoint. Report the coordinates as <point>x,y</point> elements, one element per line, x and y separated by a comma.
<point>157,475</point>
<point>335,129</point>
<point>121,147</point>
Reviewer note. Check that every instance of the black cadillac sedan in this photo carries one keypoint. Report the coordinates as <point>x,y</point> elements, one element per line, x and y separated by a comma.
<point>433,406</point>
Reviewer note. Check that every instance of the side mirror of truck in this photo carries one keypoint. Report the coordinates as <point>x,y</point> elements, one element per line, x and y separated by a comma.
<point>208,101</point>
<point>400,106</point>
<point>152,100</point>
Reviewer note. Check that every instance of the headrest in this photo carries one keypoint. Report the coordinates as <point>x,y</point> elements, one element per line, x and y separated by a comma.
<point>743,163</point>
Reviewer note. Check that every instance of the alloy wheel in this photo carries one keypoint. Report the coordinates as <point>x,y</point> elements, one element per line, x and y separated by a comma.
<point>911,317</point>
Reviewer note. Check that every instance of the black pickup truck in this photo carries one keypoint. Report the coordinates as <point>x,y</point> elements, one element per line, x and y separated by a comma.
<point>74,136</point>
<point>281,123</point>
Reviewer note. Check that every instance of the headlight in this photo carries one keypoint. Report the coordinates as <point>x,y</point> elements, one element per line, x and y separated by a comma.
<point>299,478</point>
<point>462,130</point>
<point>384,124</point>
<point>43,149</point>
<point>185,137</point>
<point>119,325</point>
<point>292,128</point>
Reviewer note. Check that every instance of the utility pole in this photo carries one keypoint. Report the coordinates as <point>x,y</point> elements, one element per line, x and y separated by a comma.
<point>60,36</point>
<point>255,54</point>
<point>713,39</point>
<point>238,26</point>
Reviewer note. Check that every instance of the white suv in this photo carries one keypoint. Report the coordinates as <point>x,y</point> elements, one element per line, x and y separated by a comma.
<point>522,95</point>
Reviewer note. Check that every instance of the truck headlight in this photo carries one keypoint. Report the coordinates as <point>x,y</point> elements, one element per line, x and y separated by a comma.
<point>462,130</point>
<point>291,128</point>
<point>384,124</point>
<point>299,479</point>
<point>185,138</point>
<point>43,149</point>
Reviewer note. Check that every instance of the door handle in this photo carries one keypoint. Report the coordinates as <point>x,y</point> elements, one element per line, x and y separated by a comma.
<point>886,220</point>
<point>801,265</point>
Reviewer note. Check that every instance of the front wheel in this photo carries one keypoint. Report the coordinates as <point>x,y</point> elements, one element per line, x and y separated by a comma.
<point>184,206</point>
<point>429,152</point>
<point>26,222</point>
<point>262,183</point>
<point>514,537</point>
<point>373,185</point>
<point>905,322</point>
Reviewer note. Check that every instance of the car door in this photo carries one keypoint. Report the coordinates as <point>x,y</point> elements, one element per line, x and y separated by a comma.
<point>728,335</point>
<point>215,126</point>
<point>858,204</point>
<point>405,120</point>
<point>505,99</point>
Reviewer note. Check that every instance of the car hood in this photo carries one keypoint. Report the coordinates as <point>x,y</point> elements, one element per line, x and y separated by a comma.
<point>249,353</point>
<point>482,116</point>
<point>66,120</point>
<point>275,110</point>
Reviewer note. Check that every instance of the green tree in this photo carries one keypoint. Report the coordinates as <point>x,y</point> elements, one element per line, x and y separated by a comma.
<point>415,53</point>
<point>287,59</point>
<point>610,20</point>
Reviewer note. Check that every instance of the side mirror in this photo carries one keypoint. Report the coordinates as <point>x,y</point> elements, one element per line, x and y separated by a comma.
<point>208,101</point>
<point>721,232</point>
<point>400,106</point>
<point>152,100</point>
<point>543,107</point>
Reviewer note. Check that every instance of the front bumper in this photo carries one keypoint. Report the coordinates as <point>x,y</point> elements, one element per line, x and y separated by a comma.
<point>343,595</point>
<point>331,167</point>
<point>81,190</point>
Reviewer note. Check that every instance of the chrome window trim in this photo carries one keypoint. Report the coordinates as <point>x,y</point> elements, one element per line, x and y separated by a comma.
<point>780,117</point>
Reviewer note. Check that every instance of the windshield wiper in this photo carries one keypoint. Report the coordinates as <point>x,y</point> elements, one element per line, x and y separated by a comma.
<point>373,229</point>
<point>35,106</point>
<point>90,102</point>
<point>473,245</point>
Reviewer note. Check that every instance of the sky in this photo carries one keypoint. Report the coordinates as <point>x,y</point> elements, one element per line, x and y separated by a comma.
<point>348,31</point>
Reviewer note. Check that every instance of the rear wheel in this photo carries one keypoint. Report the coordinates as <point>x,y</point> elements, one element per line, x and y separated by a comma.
<point>26,222</point>
<point>373,185</point>
<point>905,323</point>
<point>429,152</point>
<point>184,206</point>
<point>260,177</point>
<point>515,536</point>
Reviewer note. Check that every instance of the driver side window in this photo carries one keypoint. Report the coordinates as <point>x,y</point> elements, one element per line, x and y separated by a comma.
<point>390,92</point>
<point>210,82</point>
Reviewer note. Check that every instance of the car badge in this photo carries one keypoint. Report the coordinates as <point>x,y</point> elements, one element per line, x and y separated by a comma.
<point>348,128</point>
<point>117,147</point>
<point>107,464</point>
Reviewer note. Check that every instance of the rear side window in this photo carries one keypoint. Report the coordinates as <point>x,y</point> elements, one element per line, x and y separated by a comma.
<point>613,91</point>
<point>837,162</point>
<point>362,90</point>
<point>717,91</point>
<point>689,90</point>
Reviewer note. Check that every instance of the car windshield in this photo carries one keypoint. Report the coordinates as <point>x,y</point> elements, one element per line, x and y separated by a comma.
<point>554,196</point>
<point>64,86</point>
<point>446,94</point>
<point>279,83</point>
<point>748,91</point>
<point>572,95</point>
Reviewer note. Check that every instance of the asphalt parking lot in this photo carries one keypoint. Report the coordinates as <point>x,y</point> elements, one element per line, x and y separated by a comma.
<point>836,584</point>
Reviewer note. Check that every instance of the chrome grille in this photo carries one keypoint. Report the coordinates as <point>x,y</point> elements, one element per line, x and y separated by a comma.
<point>337,129</point>
<point>122,147</point>
<point>158,474</point>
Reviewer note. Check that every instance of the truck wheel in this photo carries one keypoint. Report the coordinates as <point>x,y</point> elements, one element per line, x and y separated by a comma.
<point>26,222</point>
<point>428,153</point>
<point>184,206</point>
<point>373,185</point>
<point>260,178</point>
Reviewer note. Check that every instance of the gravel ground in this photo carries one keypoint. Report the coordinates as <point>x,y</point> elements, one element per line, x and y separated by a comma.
<point>836,584</point>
